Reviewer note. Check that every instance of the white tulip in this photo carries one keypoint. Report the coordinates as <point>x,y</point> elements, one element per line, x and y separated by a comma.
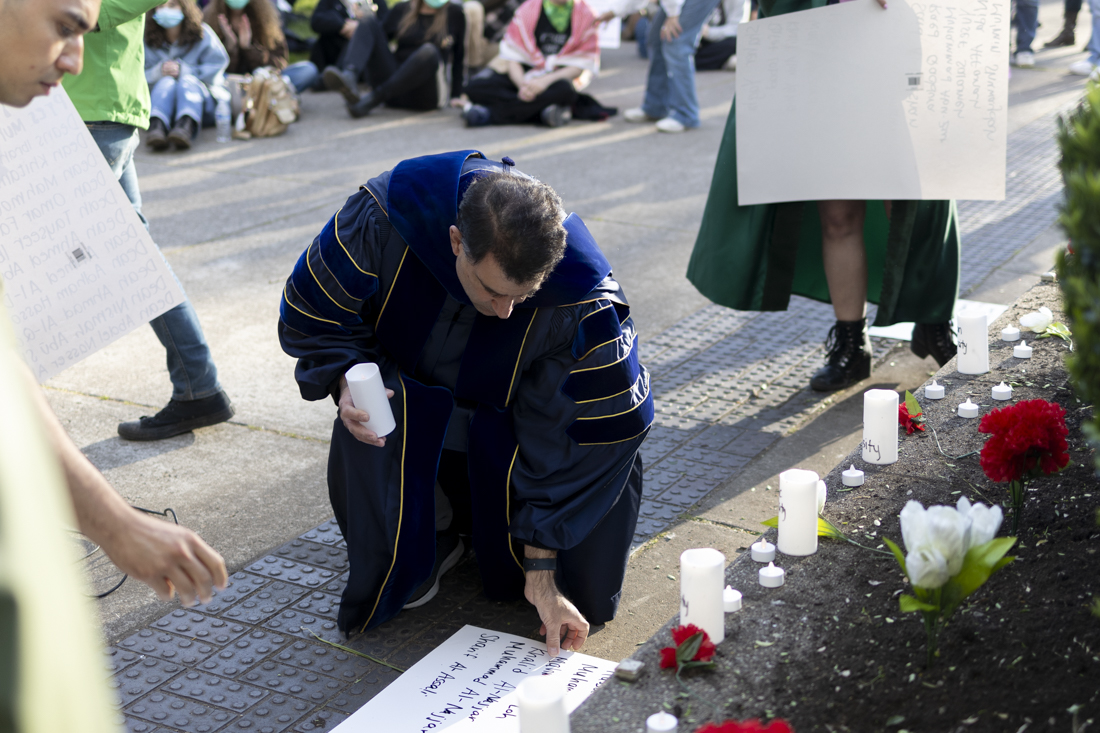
<point>822,492</point>
<point>984,521</point>
<point>936,542</point>
<point>1037,321</point>
<point>947,533</point>
<point>927,568</point>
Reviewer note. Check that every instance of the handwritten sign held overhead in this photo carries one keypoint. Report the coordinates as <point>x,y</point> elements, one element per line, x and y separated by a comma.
<point>851,101</point>
<point>78,268</point>
<point>468,685</point>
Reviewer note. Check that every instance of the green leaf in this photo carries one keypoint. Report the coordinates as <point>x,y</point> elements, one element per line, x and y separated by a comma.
<point>980,562</point>
<point>895,720</point>
<point>773,522</point>
<point>689,648</point>
<point>693,665</point>
<point>910,604</point>
<point>1057,329</point>
<point>912,405</point>
<point>825,528</point>
<point>898,554</point>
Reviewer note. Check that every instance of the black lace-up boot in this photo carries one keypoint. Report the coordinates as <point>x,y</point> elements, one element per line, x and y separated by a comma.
<point>847,358</point>
<point>935,339</point>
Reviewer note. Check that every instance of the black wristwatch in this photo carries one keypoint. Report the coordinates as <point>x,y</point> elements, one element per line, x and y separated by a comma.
<point>539,563</point>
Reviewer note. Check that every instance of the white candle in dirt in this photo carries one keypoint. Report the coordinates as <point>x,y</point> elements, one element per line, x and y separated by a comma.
<point>973,344</point>
<point>1010,333</point>
<point>771,576</point>
<point>797,512</point>
<point>1022,350</point>
<point>934,391</point>
<point>542,705</point>
<point>852,477</point>
<point>702,575</point>
<point>968,409</point>
<point>1002,392</point>
<point>660,722</point>
<point>731,600</point>
<point>880,426</point>
<point>762,550</point>
<point>368,393</point>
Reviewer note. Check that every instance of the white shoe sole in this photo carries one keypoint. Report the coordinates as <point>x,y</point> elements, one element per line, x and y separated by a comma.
<point>448,562</point>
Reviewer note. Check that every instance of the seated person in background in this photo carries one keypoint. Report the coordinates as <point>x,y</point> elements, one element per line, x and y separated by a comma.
<point>428,35</point>
<point>334,22</point>
<point>718,47</point>
<point>184,61</point>
<point>253,37</point>
<point>550,51</point>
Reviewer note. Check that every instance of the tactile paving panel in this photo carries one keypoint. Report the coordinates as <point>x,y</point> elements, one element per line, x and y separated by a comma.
<point>265,603</point>
<point>282,569</point>
<point>180,713</point>
<point>240,655</point>
<point>116,660</point>
<point>305,625</point>
<point>273,714</point>
<point>301,683</point>
<point>169,647</point>
<point>321,721</point>
<point>208,629</point>
<point>240,586</point>
<point>142,678</point>
<point>213,690</point>
<point>321,605</point>
<point>317,555</point>
<point>327,533</point>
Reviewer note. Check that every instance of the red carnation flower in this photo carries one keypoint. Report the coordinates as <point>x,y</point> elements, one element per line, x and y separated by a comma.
<point>911,422</point>
<point>747,726</point>
<point>1027,438</point>
<point>680,634</point>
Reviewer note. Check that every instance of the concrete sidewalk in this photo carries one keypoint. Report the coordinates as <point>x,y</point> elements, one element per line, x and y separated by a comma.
<point>233,219</point>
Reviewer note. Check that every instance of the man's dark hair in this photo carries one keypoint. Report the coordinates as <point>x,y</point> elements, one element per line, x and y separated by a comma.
<point>518,220</point>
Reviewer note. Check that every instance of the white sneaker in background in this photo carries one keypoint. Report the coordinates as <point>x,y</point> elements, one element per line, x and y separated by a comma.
<point>731,63</point>
<point>636,114</point>
<point>1025,60</point>
<point>1084,67</point>
<point>669,125</point>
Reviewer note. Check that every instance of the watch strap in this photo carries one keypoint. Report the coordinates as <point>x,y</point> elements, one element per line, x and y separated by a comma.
<point>539,563</point>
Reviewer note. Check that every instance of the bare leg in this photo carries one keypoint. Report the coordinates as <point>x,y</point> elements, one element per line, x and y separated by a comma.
<point>844,256</point>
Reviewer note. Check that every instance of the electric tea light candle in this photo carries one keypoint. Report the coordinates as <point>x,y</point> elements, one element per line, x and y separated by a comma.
<point>973,344</point>
<point>762,551</point>
<point>852,477</point>
<point>880,427</point>
<point>368,393</point>
<point>731,599</point>
<point>968,409</point>
<point>542,705</point>
<point>798,512</point>
<point>702,572</point>
<point>660,722</point>
<point>771,576</point>
<point>1022,350</point>
<point>934,391</point>
<point>1002,392</point>
<point>1010,333</point>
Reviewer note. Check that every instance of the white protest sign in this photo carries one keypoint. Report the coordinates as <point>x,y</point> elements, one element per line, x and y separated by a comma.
<point>78,267</point>
<point>468,683</point>
<point>851,101</point>
<point>609,33</point>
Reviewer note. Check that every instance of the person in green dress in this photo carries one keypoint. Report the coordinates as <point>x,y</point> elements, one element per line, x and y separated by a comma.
<point>902,255</point>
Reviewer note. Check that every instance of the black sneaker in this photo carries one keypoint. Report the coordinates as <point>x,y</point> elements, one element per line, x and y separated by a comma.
<point>179,417</point>
<point>448,551</point>
<point>556,115</point>
<point>345,81</point>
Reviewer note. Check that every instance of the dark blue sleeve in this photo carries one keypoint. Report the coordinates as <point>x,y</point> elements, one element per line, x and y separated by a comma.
<point>580,415</point>
<point>325,314</point>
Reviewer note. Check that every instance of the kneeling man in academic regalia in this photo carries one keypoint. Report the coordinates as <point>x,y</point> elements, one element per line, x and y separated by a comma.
<point>519,399</point>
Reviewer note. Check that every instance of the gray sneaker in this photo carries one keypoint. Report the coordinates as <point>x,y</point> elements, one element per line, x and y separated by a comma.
<point>448,551</point>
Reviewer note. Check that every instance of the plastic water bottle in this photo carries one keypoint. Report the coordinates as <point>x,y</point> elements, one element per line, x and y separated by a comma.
<point>223,116</point>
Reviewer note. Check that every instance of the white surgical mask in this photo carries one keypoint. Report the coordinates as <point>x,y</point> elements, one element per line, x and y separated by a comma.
<point>168,17</point>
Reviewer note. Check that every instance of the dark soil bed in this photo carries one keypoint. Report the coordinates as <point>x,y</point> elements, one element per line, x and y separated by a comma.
<point>830,650</point>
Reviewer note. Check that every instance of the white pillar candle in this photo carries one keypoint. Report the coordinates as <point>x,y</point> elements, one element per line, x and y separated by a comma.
<point>934,391</point>
<point>1010,333</point>
<point>762,551</point>
<point>1022,350</point>
<point>542,705</point>
<point>798,512</point>
<point>771,576</point>
<point>973,344</point>
<point>822,494</point>
<point>1002,392</point>
<point>731,600</point>
<point>852,477</point>
<point>368,393</point>
<point>660,722</point>
<point>968,409</point>
<point>702,572</point>
<point>880,426</point>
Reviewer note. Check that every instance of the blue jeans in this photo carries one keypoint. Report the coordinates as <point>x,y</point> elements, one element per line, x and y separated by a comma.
<point>670,88</point>
<point>190,365</point>
<point>641,35</point>
<point>302,75</point>
<point>1027,23</point>
<point>1094,43</point>
<point>173,98</point>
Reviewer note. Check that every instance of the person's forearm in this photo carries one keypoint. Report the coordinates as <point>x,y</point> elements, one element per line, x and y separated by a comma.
<point>566,73</point>
<point>515,73</point>
<point>113,13</point>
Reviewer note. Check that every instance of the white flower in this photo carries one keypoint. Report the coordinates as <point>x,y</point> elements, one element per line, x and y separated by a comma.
<point>822,491</point>
<point>1037,321</point>
<point>936,543</point>
<point>984,521</point>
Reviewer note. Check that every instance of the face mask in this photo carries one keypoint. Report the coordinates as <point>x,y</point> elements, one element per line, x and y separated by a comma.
<point>237,4</point>
<point>436,3</point>
<point>168,17</point>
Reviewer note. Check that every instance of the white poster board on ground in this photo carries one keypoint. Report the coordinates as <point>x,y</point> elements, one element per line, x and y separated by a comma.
<point>851,101</point>
<point>468,685</point>
<point>78,267</point>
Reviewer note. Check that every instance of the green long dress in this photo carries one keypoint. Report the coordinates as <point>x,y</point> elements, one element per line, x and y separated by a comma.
<point>755,257</point>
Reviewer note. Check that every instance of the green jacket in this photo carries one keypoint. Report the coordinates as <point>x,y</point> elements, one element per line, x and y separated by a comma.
<point>112,86</point>
<point>756,257</point>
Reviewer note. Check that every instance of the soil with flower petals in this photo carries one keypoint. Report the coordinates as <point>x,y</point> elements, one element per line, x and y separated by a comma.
<point>831,651</point>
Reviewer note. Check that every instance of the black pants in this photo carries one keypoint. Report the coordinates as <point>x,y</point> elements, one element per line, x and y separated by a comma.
<point>590,574</point>
<point>711,56</point>
<point>409,85</point>
<point>500,95</point>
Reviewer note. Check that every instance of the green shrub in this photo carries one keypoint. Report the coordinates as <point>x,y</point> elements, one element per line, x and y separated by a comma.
<point>1079,273</point>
